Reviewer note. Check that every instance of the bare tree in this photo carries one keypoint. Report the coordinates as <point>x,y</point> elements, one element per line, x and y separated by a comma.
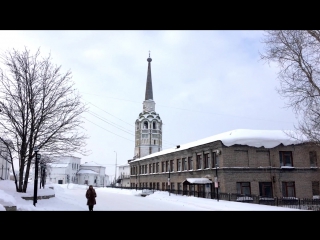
<point>297,53</point>
<point>39,107</point>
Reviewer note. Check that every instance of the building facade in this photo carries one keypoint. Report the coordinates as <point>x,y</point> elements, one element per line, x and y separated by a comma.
<point>148,126</point>
<point>123,180</point>
<point>68,169</point>
<point>63,170</point>
<point>91,173</point>
<point>282,169</point>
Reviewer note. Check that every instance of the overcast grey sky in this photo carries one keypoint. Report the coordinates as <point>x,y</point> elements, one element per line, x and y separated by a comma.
<point>204,83</point>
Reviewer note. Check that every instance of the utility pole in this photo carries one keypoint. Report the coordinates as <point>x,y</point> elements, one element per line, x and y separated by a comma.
<point>216,182</point>
<point>115,174</point>
<point>169,180</point>
<point>38,156</point>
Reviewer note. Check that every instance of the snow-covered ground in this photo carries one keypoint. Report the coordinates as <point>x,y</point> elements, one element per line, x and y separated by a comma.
<point>71,197</point>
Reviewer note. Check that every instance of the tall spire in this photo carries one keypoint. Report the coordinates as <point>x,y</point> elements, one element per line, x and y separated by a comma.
<point>149,94</point>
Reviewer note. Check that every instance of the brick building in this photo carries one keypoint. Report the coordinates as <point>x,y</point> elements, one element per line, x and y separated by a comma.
<point>266,163</point>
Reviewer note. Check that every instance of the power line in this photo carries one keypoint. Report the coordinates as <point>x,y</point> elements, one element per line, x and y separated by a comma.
<point>97,116</point>
<point>110,114</point>
<point>111,123</point>
<point>108,130</point>
<point>203,112</point>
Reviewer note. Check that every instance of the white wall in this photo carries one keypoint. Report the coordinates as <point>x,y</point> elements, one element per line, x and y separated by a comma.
<point>5,167</point>
<point>54,174</point>
<point>124,173</point>
<point>101,180</point>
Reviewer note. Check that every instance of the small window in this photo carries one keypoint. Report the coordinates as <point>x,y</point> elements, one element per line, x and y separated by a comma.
<point>214,162</point>
<point>190,163</point>
<point>265,189</point>
<point>154,125</point>
<point>313,158</point>
<point>178,165</point>
<point>145,125</point>
<point>288,189</point>
<point>286,158</point>
<point>243,188</point>
<point>198,161</point>
<point>315,189</point>
<point>184,164</point>
<point>206,160</point>
<point>171,166</point>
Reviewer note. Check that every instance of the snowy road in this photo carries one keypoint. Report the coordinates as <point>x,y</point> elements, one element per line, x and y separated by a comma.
<point>72,198</point>
<point>111,199</point>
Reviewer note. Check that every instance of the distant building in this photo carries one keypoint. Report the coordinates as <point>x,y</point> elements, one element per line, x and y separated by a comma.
<point>91,173</point>
<point>68,169</point>
<point>63,170</point>
<point>123,180</point>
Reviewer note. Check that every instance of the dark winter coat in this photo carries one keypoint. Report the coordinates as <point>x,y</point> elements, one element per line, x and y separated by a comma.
<point>91,196</point>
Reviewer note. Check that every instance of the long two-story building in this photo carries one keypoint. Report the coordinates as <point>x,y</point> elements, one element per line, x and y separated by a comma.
<point>266,163</point>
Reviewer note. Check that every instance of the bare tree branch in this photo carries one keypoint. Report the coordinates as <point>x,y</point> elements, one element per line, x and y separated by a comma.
<point>39,107</point>
<point>297,53</point>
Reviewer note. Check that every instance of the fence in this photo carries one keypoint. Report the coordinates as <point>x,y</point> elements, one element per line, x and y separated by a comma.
<point>289,202</point>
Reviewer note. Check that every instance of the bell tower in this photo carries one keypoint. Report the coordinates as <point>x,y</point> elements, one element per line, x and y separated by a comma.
<point>148,126</point>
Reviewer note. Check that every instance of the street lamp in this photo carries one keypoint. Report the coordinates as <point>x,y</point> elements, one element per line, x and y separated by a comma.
<point>136,177</point>
<point>216,183</point>
<point>115,174</point>
<point>38,156</point>
<point>169,181</point>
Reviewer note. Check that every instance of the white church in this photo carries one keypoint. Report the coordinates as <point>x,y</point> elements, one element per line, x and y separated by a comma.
<point>68,169</point>
<point>148,131</point>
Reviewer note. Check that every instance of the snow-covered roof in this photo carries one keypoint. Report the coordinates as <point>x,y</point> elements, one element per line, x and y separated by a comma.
<point>124,165</point>
<point>58,165</point>
<point>91,164</point>
<point>198,180</point>
<point>83,171</point>
<point>250,137</point>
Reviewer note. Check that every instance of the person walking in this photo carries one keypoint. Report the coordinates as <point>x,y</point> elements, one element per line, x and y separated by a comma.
<point>91,197</point>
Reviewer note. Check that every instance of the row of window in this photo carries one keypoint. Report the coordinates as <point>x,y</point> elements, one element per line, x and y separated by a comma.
<point>147,141</point>
<point>243,188</point>
<point>286,158</point>
<point>181,164</point>
<point>146,125</point>
<point>185,164</point>
<point>75,166</point>
<point>265,189</point>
